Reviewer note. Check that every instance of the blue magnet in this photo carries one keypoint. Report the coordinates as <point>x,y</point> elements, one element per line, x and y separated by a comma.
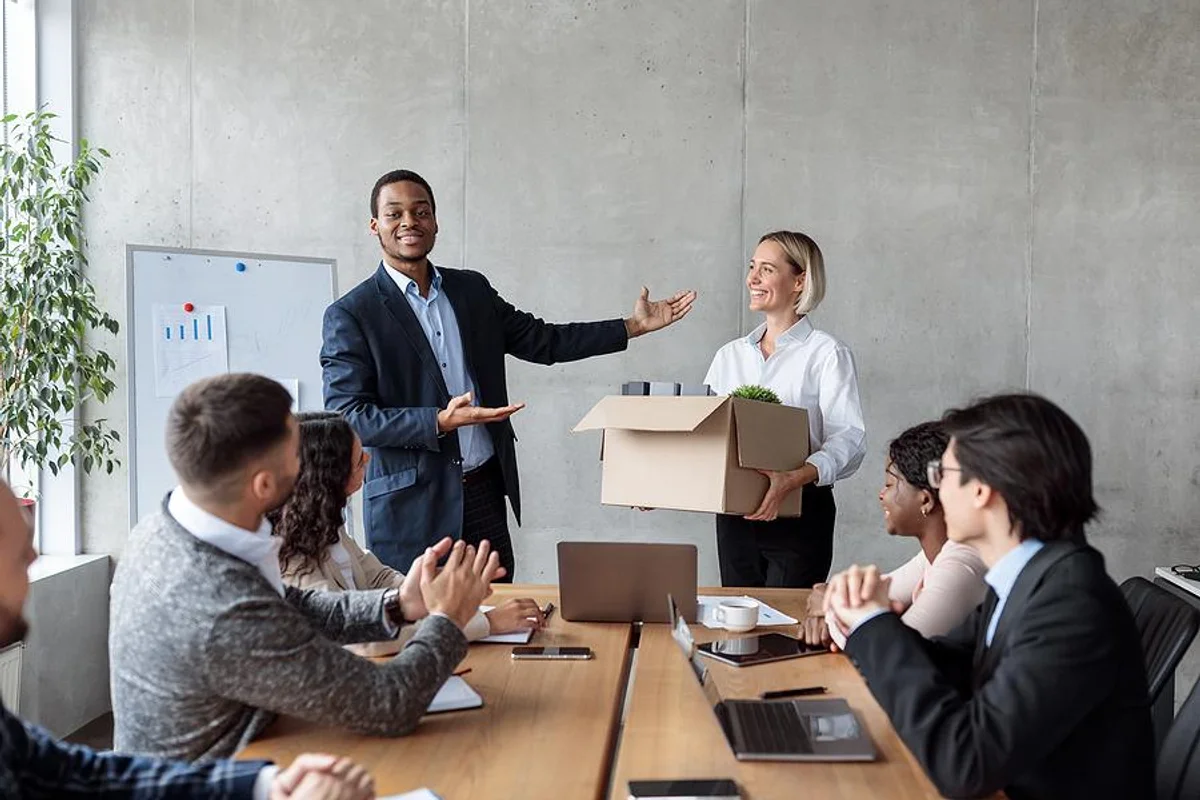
<point>240,266</point>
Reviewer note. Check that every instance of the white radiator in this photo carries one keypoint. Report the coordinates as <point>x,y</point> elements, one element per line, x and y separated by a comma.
<point>10,677</point>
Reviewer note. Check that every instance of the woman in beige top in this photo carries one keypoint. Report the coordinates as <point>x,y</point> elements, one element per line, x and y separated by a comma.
<point>937,588</point>
<point>317,553</point>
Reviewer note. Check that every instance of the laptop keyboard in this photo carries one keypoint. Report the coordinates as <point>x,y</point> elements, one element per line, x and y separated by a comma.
<point>770,727</point>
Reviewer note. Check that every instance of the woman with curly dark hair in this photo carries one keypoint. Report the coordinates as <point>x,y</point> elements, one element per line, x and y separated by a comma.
<point>317,553</point>
<point>937,588</point>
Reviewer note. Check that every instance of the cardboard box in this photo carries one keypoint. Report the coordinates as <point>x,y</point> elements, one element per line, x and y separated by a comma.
<point>696,453</point>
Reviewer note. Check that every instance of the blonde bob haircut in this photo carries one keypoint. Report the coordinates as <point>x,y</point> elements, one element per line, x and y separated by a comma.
<point>806,259</point>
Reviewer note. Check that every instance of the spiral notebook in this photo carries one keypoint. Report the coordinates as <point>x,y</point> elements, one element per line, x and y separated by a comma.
<point>455,695</point>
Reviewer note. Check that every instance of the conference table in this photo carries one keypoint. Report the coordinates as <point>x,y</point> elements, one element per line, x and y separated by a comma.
<point>583,729</point>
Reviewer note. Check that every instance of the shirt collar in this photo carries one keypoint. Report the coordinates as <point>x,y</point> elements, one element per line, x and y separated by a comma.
<point>408,286</point>
<point>257,548</point>
<point>1004,573</point>
<point>797,333</point>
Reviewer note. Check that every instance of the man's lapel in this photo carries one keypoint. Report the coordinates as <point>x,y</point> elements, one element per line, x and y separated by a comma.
<point>396,304</point>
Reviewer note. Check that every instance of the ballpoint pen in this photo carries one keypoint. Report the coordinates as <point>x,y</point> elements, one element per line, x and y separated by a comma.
<point>780,694</point>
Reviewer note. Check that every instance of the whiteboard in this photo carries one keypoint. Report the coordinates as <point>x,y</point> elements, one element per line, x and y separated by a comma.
<point>273,308</point>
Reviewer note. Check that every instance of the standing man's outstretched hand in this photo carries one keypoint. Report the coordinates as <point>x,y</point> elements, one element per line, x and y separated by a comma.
<point>459,412</point>
<point>650,315</point>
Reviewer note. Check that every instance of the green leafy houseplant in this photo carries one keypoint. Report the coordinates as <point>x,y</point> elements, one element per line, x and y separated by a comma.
<point>752,392</point>
<point>48,305</point>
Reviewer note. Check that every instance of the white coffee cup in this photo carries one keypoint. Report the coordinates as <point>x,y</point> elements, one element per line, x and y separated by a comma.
<point>737,614</point>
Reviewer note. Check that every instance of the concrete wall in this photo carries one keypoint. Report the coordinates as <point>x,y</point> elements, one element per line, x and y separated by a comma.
<point>1006,194</point>
<point>64,672</point>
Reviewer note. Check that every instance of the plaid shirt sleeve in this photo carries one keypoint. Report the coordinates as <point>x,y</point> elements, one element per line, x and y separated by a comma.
<point>34,765</point>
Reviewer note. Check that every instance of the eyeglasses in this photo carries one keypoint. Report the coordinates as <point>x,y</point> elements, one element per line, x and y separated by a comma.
<point>934,471</point>
<point>1189,572</point>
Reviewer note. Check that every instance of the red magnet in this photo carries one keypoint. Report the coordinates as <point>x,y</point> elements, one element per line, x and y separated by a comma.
<point>188,307</point>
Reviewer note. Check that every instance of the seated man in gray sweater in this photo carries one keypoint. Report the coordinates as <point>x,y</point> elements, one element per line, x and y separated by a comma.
<point>35,766</point>
<point>206,643</point>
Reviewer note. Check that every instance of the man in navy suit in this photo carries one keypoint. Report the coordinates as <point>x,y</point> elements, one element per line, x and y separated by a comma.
<point>414,358</point>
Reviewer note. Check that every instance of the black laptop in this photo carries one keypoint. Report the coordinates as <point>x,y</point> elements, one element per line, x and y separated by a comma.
<point>778,730</point>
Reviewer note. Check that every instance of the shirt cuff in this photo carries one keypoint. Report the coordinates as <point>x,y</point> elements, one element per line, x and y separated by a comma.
<point>825,473</point>
<point>868,618</point>
<point>262,784</point>
<point>478,627</point>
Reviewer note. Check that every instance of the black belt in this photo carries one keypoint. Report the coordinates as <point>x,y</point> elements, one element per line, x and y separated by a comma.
<point>482,472</point>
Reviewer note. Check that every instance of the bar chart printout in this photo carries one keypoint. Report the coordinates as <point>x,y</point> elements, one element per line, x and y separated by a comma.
<point>189,344</point>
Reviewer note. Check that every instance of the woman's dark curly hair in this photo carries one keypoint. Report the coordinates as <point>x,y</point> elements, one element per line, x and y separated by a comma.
<point>912,450</point>
<point>310,520</point>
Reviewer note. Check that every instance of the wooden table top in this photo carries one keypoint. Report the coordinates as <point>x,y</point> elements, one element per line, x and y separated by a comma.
<point>670,730</point>
<point>549,729</point>
<point>546,728</point>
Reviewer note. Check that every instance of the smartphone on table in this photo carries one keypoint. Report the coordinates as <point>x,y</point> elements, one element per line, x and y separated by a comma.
<point>551,653</point>
<point>690,789</point>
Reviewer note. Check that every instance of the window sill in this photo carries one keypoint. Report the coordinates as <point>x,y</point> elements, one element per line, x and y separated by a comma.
<point>48,566</point>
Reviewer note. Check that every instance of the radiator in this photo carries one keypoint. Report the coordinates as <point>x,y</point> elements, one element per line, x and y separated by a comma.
<point>10,677</point>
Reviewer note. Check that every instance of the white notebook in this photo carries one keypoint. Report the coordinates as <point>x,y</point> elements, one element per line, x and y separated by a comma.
<point>517,637</point>
<point>455,694</point>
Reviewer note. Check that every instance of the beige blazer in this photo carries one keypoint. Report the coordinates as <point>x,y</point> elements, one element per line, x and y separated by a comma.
<point>369,573</point>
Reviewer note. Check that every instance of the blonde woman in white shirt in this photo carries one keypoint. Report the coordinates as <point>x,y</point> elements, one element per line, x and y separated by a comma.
<point>942,584</point>
<point>317,553</point>
<point>806,368</point>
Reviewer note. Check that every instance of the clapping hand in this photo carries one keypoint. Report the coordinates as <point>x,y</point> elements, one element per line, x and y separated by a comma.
<point>315,776</point>
<point>855,594</point>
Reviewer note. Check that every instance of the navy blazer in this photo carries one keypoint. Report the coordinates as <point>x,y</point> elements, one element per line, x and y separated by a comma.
<point>1056,706</point>
<point>380,372</point>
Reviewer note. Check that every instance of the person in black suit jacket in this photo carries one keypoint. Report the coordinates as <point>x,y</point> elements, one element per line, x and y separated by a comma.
<point>414,358</point>
<point>1042,691</point>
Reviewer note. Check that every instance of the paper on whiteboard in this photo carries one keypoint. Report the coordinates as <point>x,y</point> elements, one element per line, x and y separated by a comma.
<point>188,346</point>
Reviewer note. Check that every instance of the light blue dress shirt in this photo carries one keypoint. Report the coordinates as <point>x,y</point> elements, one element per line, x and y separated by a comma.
<point>1003,576</point>
<point>437,319</point>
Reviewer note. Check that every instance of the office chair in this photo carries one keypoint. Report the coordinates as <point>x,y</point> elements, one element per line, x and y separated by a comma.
<point>1179,762</point>
<point>1167,625</point>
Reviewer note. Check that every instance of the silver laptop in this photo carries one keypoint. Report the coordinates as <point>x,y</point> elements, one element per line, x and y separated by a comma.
<point>625,582</point>
<point>778,730</point>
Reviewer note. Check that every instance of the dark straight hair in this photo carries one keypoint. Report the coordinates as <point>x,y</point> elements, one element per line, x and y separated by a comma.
<point>1032,453</point>
<point>397,176</point>
<point>218,425</point>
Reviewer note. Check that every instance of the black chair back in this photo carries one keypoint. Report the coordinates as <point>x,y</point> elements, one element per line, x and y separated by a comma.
<point>1179,761</point>
<point>1167,625</point>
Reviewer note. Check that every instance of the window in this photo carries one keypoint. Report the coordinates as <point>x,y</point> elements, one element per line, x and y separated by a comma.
<point>18,80</point>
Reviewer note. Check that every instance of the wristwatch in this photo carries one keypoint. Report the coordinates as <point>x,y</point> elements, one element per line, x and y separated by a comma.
<point>392,607</point>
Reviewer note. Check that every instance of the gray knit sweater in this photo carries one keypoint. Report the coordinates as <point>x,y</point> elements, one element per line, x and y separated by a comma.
<point>204,652</point>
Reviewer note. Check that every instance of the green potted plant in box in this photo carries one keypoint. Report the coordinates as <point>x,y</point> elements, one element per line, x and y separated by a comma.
<point>755,392</point>
<point>48,307</point>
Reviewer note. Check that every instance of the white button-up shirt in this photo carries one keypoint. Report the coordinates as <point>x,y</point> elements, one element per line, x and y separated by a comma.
<point>809,369</point>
